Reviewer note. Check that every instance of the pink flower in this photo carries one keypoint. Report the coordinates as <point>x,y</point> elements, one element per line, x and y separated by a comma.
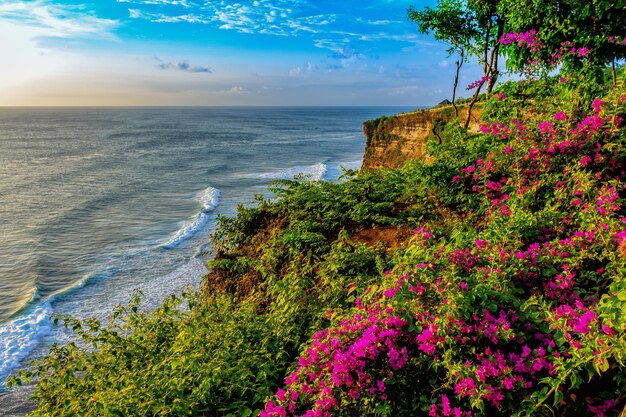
<point>445,405</point>
<point>582,326</point>
<point>620,236</point>
<point>390,292</point>
<point>560,116</point>
<point>426,234</point>
<point>546,127</point>
<point>479,82</point>
<point>608,331</point>
<point>597,105</point>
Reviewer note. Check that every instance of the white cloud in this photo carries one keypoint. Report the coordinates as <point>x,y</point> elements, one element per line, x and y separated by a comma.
<point>60,21</point>
<point>300,71</point>
<point>34,26</point>
<point>43,74</point>
<point>182,3</point>
<point>135,14</point>
<point>270,17</point>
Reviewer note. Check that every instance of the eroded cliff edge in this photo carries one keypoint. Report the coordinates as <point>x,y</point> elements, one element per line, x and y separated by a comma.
<point>391,141</point>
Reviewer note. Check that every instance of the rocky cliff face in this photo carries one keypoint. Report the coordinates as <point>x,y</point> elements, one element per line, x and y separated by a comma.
<point>391,141</point>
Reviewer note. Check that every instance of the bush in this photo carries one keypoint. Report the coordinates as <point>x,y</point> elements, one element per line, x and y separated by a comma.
<point>510,298</point>
<point>519,310</point>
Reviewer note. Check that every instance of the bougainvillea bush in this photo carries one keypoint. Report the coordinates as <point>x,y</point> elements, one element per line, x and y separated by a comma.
<point>517,309</point>
<point>509,299</point>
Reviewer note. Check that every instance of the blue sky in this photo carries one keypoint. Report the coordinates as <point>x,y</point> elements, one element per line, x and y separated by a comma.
<point>200,52</point>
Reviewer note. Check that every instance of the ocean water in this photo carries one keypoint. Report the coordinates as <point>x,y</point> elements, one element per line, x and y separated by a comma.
<point>97,202</point>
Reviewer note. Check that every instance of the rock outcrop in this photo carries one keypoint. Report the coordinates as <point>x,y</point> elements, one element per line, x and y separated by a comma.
<point>391,141</point>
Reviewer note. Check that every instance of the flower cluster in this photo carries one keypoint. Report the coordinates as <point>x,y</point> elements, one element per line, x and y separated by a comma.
<point>478,83</point>
<point>338,359</point>
<point>537,63</point>
<point>528,40</point>
<point>522,308</point>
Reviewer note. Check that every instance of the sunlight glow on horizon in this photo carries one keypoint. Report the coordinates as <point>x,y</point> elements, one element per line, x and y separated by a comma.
<point>184,52</point>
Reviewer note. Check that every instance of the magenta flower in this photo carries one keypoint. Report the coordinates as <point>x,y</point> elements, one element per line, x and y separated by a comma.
<point>584,321</point>
<point>445,406</point>
<point>620,236</point>
<point>608,331</point>
<point>597,105</point>
<point>583,52</point>
<point>586,160</point>
<point>479,82</point>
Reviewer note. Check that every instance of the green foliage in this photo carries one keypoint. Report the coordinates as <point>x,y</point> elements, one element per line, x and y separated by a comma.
<point>279,267</point>
<point>515,304</point>
<point>190,356</point>
<point>471,27</point>
<point>594,24</point>
<point>500,216</point>
<point>450,22</point>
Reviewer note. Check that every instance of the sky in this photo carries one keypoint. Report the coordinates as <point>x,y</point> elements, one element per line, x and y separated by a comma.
<point>220,53</point>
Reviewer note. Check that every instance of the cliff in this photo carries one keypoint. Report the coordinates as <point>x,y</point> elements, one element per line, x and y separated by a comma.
<point>391,141</point>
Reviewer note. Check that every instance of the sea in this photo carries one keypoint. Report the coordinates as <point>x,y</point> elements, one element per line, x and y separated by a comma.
<point>98,202</point>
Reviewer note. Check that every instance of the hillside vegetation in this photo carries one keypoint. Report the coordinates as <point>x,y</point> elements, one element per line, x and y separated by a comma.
<point>488,281</point>
<point>498,288</point>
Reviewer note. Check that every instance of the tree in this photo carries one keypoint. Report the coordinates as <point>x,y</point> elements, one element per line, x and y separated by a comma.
<point>490,20</point>
<point>451,24</point>
<point>583,32</point>
<point>470,27</point>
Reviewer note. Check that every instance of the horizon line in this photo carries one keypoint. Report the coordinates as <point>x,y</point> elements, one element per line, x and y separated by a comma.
<point>95,106</point>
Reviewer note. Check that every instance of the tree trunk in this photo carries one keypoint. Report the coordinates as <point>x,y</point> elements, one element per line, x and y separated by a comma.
<point>493,69</point>
<point>471,105</point>
<point>614,84</point>
<point>495,53</point>
<point>459,64</point>
<point>486,51</point>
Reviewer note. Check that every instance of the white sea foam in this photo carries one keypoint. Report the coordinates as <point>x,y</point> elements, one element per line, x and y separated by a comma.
<point>187,275</point>
<point>20,337</point>
<point>312,172</point>
<point>33,332</point>
<point>210,199</point>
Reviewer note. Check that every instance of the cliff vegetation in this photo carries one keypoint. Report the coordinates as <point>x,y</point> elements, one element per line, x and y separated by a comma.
<point>486,279</point>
